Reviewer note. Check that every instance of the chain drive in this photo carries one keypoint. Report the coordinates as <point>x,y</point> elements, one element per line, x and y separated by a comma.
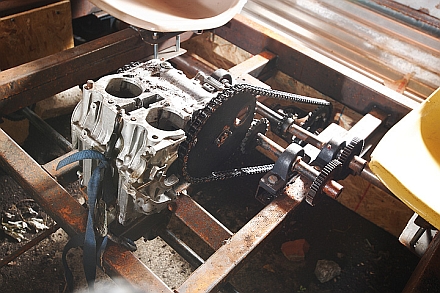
<point>204,114</point>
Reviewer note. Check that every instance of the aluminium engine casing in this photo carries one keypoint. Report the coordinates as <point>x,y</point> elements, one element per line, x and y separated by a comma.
<point>154,103</point>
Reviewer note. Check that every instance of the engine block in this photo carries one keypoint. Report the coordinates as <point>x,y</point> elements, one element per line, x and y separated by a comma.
<point>140,115</point>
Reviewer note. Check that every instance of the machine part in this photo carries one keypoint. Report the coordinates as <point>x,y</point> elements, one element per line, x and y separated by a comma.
<point>283,122</point>
<point>223,76</point>
<point>216,132</point>
<point>237,172</point>
<point>137,119</point>
<point>317,120</point>
<point>312,121</point>
<point>250,141</point>
<point>417,235</point>
<point>224,120</point>
<point>354,148</point>
<point>275,180</point>
<point>329,151</point>
<point>287,125</point>
<point>330,171</point>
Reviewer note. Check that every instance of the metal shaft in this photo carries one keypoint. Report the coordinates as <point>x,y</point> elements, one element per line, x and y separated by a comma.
<point>269,145</point>
<point>331,188</point>
<point>47,130</point>
<point>293,129</point>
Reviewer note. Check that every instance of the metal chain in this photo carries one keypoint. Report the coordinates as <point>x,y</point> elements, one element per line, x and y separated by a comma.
<point>203,115</point>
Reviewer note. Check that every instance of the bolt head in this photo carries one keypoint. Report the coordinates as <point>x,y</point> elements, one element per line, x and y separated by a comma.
<point>272,179</point>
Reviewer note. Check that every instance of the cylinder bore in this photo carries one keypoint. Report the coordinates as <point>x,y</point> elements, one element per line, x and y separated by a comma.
<point>123,88</point>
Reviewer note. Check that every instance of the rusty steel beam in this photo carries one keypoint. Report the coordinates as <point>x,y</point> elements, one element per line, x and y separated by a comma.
<point>51,196</point>
<point>70,215</point>
<point>125,268</point>
<point>29,83</point>
<point>208,228</point>
<point>229,257</point>
<point>307,66</point>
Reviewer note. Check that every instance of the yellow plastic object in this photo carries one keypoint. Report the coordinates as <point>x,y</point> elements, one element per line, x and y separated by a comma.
<point>172,15</point>
<point>407,159</point>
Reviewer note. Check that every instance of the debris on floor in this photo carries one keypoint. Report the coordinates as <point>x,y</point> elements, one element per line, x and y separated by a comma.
<point>326,270</point>
<point>22,219</point>
<point>295,250</point>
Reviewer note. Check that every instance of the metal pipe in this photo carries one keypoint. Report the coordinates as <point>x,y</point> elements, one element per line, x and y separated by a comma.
<point>267,112</point>
<point>180,247</point>
<point>368,175</point>
<point>293,129</point>
<point>46,129</point>
<point>306,136</point>
<point>177,43</point>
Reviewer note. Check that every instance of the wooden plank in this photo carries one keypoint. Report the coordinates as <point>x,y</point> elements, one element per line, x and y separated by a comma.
<point>35,33</point>
<point>8,7</point>
<point>375,205</point>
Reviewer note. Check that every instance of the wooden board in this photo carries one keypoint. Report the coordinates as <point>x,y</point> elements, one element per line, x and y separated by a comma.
<point>35,33</point>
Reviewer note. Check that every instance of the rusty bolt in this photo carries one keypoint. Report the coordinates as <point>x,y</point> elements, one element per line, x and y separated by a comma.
<point>272,179</point>
<point>172,207</point>
<point>89,85</point>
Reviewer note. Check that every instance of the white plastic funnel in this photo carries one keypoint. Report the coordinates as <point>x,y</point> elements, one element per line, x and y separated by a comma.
<point>172,15</point>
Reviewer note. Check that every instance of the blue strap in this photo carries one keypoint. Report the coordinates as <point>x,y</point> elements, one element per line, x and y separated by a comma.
<point>89,238</point>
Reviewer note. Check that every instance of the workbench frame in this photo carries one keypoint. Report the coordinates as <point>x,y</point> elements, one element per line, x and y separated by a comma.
<point>27,84</point>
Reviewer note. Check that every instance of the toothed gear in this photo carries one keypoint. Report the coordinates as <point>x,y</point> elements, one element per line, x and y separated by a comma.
<point>329,172</point>
<point>354,148</point>
<point>249,142</point>
<point>317,120</point>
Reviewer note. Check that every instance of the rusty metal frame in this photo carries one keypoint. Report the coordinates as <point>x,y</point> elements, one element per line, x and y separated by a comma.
<point>26,84</point>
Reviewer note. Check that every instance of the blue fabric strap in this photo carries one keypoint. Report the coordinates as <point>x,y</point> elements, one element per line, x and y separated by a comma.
<point>88,240</point>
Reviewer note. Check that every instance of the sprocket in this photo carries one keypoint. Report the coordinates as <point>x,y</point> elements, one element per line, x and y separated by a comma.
<point>249,142</point>
<point>216,132</point>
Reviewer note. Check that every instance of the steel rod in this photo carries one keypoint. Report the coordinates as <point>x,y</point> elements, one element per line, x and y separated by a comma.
<point>180,247</point>
<point>294,129</point>
<point>46,129</point>
<point>28,245</point>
